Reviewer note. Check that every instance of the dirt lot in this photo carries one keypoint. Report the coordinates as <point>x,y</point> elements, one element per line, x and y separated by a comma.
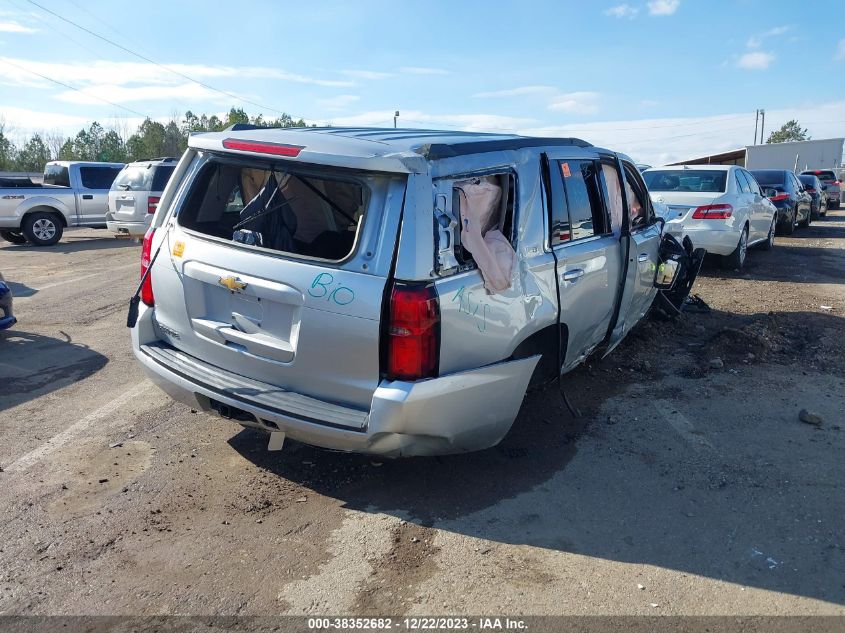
<point>688,486</point>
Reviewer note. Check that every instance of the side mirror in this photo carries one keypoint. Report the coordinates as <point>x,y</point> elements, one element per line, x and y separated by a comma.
<point>824,187</point>
<point>769,192</point>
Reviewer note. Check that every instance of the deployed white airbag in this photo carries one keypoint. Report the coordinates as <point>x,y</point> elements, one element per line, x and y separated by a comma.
<point>480,235</point>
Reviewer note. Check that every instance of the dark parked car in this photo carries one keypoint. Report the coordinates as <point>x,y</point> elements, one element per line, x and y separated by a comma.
<point>831,185</point>
<point>7,319</point>
<point>788,195</point>
<point>815,188</point>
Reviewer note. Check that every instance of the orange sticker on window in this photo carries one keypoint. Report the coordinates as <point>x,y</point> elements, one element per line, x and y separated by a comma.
<point>564,167</point>
<point>178,249</point>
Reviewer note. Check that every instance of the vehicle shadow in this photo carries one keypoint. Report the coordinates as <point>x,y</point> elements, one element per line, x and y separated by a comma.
<point>32,365</point>
<point>20,290</point>
<point>643,502</point>
<point>70,244</point>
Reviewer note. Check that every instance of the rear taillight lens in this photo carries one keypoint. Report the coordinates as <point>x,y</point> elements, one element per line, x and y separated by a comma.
<point>779,197</point>
<point>413,332</point>
<point>152,204</point>
<point>713,212</point>
<point>146,254</point>
<point>837,183</point>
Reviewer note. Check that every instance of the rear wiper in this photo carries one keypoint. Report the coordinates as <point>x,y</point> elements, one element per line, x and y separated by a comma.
<point>126,187</point>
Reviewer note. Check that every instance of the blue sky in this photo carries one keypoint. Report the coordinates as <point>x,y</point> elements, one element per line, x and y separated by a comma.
<point>661,80</point>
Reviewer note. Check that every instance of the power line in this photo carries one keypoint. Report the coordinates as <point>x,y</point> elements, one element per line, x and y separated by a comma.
<point>155,63</point>
<point>68,86</point>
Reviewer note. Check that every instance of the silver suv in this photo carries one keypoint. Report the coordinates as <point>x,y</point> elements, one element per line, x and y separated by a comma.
<point>134,195</point>
<point>389,291</point>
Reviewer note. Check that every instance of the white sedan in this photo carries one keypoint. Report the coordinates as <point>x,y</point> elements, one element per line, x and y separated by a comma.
<point>720,207</point>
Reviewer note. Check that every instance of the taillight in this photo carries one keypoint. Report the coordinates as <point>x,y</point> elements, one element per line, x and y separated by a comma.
<point>413,332</point>
<point>146,254</point>
<point>261,147</point>
<point>837,183</point>
<point>152,204</point>
<point>713,212</point>
<point>779,197</point>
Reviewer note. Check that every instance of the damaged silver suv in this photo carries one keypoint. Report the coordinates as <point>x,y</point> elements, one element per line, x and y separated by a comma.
<point>392,292</point>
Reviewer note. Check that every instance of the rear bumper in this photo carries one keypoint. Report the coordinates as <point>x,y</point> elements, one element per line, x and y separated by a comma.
<point>718,242</point>
<point>133,229</point>
<point>461,412</point>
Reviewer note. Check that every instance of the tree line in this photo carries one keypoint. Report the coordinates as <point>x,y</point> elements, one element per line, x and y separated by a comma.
<point>152,139</point>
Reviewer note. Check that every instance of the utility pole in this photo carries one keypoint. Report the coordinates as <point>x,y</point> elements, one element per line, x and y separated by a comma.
<point>762,125</point>
<point>395,116</point>
<point>756,123</point>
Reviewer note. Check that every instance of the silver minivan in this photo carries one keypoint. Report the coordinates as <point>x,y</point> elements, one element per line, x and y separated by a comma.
<point>387,291</point>
<point>135,194</point>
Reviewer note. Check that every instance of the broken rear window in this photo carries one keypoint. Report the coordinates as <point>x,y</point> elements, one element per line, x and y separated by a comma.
<point>287,211</point>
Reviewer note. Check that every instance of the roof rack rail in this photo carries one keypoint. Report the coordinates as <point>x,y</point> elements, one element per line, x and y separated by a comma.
<point>437,151</point>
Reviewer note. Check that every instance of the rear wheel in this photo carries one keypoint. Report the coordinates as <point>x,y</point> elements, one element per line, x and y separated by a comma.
<point>789,227</point>
<point>42,228</point>
<point>806,221</point>
<point>770,238</point>
<point>15,237</point>
<point>736,260</point>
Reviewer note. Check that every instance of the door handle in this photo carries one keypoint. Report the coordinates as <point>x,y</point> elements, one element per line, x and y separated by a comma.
<point>87,196</point>
<point>573,275</point>
<point>643,257</point>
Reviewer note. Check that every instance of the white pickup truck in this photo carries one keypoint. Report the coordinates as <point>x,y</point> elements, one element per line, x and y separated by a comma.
<point>73,194</point>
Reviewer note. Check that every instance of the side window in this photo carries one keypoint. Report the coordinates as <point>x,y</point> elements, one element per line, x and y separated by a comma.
<point>577,209</point>
<point>500,217</point>
<point>752,182</point>
<point>638,201</point>
<point>741,182</point>
<point>56,175</point>
<point>98,177</point>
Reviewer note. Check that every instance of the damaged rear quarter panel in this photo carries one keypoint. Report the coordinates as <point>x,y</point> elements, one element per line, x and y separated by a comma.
<point>478,328</point>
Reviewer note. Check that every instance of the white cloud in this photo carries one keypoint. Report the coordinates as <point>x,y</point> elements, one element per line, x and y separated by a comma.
<point>366,74</point>
<point>663,7</point>
<point>516,92</point>
<point>95,95</point>
<point>576,102</point>
<point>622,11</point>
<point>757,60</point>
<point>15,27</point>
<point>755,41</point>
<point>125,73</point>
<point>840,50</point>
<point>340,102</point>
<point>422,70</point>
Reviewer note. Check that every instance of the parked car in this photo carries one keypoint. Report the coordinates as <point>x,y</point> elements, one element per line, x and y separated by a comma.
<point>7,317</point>
<point>720,207</point>
<point>135,195</point>
<point>391,292</point>
<point>788,195</point>
<point>73,194</point>
<point>818,199</point>
<point>831,185</point>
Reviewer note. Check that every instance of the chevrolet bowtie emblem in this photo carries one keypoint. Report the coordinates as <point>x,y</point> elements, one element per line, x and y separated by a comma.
<point>232,283</point>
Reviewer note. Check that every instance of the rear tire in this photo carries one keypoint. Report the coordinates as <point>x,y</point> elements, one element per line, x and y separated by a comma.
<point>736,260</point>
<point>42,228</point>
<point>15,237</point>
<point>789,228</point>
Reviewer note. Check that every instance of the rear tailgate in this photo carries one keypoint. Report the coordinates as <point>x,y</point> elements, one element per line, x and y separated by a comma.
<point>303,325</point>
<point>127,206</point>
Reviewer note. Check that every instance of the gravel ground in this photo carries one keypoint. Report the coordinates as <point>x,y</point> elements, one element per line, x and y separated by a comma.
<point>688,485</point>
